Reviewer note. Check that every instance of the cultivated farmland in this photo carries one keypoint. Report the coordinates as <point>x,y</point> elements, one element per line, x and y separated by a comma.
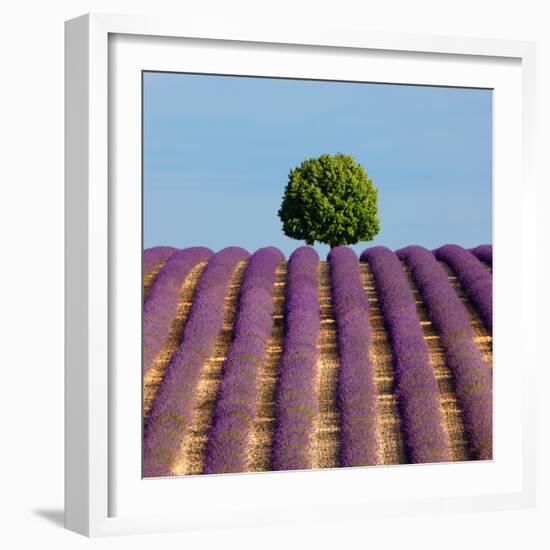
<point>256,362</point>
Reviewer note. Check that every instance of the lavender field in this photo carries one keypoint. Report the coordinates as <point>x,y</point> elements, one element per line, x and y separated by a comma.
<point>255,362</point>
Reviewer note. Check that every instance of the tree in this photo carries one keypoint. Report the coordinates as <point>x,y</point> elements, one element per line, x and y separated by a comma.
<point>330,199</point>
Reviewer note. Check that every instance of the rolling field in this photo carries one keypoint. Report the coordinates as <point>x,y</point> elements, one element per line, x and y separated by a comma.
<point>256,362</point>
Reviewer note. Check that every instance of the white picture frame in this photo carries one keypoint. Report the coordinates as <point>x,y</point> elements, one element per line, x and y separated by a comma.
<point>105,53</point>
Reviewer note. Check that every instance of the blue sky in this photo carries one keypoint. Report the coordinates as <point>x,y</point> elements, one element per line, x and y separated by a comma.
<point>218,150</point>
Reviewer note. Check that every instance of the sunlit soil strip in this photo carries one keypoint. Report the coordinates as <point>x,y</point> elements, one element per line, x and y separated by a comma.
<point>154,376</point>
<point>390,438</point>
<point>481,336</point>
<point>191,457</point>
<point>149,279</point>
<point>452,413</point>
<point>261,438</point>
<point>326,439</point>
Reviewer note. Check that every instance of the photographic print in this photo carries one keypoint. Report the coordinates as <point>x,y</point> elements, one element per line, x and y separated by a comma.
<point>317,274</point>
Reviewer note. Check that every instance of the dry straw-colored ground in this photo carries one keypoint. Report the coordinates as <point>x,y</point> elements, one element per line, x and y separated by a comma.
<point>149,279</point>
<point>259,452</point>
<point>390,439</point>
<point>324,441</point>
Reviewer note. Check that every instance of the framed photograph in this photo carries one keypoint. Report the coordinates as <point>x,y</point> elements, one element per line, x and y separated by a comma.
<point>297,275</point>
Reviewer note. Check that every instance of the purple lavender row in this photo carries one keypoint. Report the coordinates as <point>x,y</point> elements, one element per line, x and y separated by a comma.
<point>161,305</point>
<point>472,376</point>
<point>474,278</point>
<point>235,410</point>
<point>155,255</point>
<point>357,396</point>
<point>484,252</point>
<point>296,399</point>
<point>415,383</point>
<point>172,409</point>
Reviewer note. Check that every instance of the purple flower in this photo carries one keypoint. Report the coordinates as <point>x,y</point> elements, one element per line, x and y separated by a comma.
<point>472,376</point>
<point>236,405</point>
<point>356,392</point>
<point>474,278</point>
<point>153,256</point>
<point>172,409</point>
<point>415,383</point>
<point>296,399</point>
<point>161,305</point>
<point>484,252</point>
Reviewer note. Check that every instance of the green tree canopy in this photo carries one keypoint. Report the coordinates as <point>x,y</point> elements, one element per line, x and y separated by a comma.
<point>331,200</point>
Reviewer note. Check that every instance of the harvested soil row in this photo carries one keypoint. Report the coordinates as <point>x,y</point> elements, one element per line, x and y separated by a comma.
<point>149,279</point>
<point>327,424</point>
<point>390,437</point>
<point>261,439</point>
